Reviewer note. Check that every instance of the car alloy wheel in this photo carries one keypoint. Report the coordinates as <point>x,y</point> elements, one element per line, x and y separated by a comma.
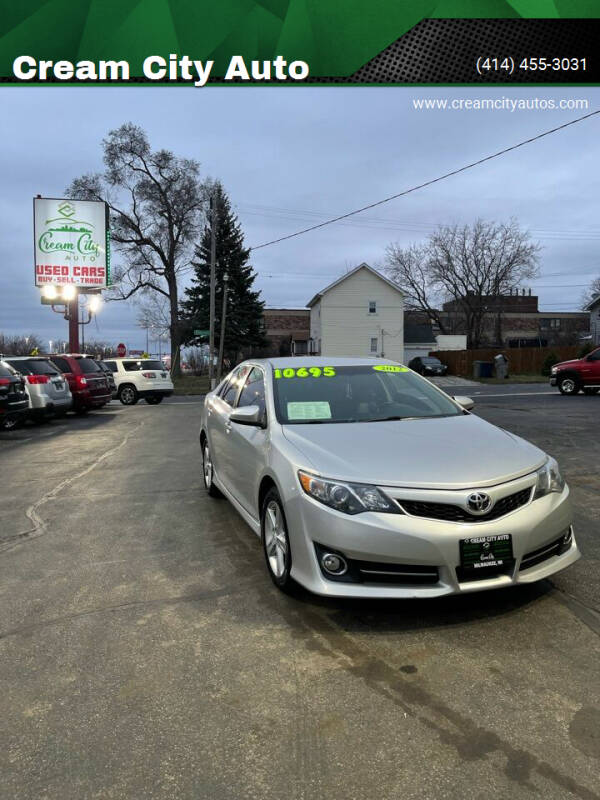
<point>276,543</point>
<point>208,472</point>
<point>568,386</point>
<point>128,396</point>
<point>9,423</point>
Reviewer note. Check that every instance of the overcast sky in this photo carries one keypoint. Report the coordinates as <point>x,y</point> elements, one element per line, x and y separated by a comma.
<point>289,157</point>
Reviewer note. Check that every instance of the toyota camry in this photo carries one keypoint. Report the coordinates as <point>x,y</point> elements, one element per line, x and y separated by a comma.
<point>362,479</point>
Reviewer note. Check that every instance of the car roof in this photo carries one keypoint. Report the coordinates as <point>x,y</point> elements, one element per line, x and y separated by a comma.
<point>320,361</point>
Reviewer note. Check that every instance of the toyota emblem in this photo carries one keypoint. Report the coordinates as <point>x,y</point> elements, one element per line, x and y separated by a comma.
<point>479,503</point>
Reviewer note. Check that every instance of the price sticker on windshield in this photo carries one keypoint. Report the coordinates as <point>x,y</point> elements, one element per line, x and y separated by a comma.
<point>304,372</point>
<point>390,368</point>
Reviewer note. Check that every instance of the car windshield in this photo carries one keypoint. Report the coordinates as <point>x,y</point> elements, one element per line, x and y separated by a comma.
<point>35,366</point>
<point>435,361</point>
<point>365,393</point>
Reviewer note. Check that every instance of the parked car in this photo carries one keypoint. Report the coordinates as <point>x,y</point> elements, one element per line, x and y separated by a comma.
<point>108,375</point>
<point>48,390</point>
<point>137,378</point>
<point>427,365</point>
<point>86,380</point>
<point>365,480</point>
<point>579,374</point>
<point>14,402</point>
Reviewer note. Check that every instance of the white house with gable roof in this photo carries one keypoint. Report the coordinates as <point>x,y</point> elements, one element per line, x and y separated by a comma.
<point>360,314</point>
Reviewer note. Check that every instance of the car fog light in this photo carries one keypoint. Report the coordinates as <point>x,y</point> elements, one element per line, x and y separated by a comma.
<point>333,564</point>
<point>565,542</point>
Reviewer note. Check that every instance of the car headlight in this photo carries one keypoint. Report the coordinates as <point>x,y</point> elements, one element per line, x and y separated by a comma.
<point>351,498</point>
<point>553,370</point>
<point>549,479</point>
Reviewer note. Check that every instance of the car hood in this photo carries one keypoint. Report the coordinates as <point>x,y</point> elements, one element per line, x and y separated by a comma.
<point>562,364</point>
<point>445,453</point>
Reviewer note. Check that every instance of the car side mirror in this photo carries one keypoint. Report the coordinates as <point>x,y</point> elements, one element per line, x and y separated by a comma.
<point>466,402</point>
<point>248,415</point>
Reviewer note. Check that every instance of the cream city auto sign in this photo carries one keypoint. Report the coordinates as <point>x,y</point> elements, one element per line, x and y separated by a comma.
<point>71,243</point>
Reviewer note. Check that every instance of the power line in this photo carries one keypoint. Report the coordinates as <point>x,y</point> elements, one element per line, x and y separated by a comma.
<point>427,183</point>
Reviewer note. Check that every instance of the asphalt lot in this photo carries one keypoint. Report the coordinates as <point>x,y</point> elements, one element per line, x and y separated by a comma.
<point>145,654</point>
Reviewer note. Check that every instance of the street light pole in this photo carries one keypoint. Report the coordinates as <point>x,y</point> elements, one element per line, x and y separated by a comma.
<point>213,268</point>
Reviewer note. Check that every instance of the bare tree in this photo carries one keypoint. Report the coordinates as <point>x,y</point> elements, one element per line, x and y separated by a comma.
<point>470,264</point>
<point>20,345</point>
<point>156,202</point>
<point>591,293</point>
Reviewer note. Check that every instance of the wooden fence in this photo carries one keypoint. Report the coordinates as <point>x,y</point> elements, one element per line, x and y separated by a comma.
<point>521,360</point>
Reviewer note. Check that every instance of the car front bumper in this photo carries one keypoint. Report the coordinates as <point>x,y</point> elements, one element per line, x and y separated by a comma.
<point>553,380</point>
<point>426,545</point>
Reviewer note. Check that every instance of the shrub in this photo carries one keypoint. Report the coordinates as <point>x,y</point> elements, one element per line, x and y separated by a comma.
<point>585,349</point>
<point>550,360</point>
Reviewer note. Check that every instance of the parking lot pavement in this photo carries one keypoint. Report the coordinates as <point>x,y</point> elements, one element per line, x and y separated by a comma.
<point>145,654</point>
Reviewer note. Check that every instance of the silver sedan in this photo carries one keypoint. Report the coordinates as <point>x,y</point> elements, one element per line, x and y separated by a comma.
<point>364,480</point>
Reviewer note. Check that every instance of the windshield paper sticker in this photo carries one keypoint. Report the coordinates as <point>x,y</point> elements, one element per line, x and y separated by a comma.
<point>304,372</point>
<point>317,409</point>
<point>390,368</point>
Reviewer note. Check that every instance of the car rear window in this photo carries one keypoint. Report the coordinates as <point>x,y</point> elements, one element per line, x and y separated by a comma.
<point>136,366</point>
<point>86,365</point>
<point>112,366</point>
<point>35,366</point>
<point>5,372</point>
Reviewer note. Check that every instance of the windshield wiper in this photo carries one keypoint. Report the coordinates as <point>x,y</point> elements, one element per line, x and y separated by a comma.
<point>387,419</point>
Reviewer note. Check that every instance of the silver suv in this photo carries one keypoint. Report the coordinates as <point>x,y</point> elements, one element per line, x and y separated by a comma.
<point>48,391</point>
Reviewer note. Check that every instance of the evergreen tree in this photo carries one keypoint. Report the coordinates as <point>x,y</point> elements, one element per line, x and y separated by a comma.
<point>243,319</point>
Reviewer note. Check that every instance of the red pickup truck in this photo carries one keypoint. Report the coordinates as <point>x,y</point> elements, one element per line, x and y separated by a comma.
<point>580,374</point>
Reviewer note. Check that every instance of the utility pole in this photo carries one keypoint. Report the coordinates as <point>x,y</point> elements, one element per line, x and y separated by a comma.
<point>73,307</point>
<point>222,337</point>
<point>213,267</point>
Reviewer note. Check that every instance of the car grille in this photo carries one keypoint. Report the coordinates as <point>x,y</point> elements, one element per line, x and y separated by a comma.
<point>555,548</point>
<point>452,513</point>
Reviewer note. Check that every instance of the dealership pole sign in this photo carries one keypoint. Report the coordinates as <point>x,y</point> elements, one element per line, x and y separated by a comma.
<point>71,243</point>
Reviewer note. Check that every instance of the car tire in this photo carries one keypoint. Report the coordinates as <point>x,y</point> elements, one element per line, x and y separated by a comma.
<point>568,385</point>
<point>9,423</point>
<point>81,411</point>
<point>154,401</point>
<point>591,390</point>
<point>208,471</point>
<point>276,542</point>
<point>128,395</point>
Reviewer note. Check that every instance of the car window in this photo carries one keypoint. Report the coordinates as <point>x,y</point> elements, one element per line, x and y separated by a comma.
<point>231,391</point>
<point>253,393</point>
<point>361,393</point>
<point>62,364</point>
<point>153,365</point>
<point>112,366</point>
<point>5,372</point>
<point>427,360</point>
<point>88,365</point>
<point>595,355</point>
<point>34,367</point>
<point>131,366</point>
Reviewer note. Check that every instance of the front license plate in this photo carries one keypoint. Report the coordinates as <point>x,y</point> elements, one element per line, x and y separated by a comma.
<point>486,552</point>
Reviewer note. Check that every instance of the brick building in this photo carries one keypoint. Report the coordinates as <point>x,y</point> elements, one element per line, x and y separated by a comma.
<point>516,321</point>
<point>287,331</point>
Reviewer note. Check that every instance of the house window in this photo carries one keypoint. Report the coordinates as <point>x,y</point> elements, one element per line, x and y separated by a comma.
<point>372,306</point>
<point>374,341</point>
<point>547,323</point>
